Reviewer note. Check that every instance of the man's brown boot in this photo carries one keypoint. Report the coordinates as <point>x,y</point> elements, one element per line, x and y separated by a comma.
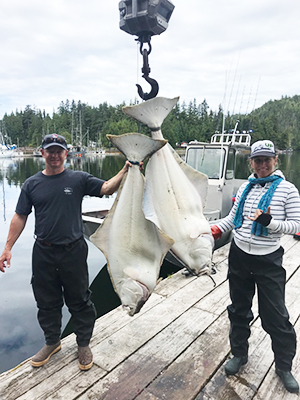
<point>85,358</point>
<point>44,354</point>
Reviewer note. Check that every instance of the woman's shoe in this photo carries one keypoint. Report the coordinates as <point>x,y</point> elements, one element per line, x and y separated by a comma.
<point>288,381</point>
<point>233,366</point>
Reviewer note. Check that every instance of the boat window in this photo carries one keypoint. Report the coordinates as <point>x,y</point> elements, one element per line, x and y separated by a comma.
<point>230,165</point>
<point>242,170</point>
<point>206,160</point>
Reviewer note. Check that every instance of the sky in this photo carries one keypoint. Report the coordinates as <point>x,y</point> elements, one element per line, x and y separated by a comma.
<point>236,53</point>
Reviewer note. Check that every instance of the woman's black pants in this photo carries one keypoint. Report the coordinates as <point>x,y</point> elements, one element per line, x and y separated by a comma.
<point>60,273</point>
<point>267,273</point>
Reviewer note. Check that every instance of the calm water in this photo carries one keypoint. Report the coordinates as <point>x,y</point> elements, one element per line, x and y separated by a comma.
<point>20,334</point>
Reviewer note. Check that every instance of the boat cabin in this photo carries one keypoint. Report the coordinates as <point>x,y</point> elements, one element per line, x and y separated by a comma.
<point>225,161</point>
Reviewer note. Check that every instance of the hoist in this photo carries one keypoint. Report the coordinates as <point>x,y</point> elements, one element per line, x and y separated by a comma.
<point>145,18</point>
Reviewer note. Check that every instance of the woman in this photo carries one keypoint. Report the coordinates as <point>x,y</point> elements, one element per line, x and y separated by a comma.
<point>265,207</point>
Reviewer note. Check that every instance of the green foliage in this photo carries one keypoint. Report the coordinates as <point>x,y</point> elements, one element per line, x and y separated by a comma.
<point>278,120</point>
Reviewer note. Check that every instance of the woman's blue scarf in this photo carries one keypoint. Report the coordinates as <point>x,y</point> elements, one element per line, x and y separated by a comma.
<point>257,229</point>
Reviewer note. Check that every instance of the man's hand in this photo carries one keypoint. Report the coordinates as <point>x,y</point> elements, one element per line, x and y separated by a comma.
<point>5,260</point>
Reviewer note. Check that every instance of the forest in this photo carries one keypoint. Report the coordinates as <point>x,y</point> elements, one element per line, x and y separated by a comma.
<point>278,120</point>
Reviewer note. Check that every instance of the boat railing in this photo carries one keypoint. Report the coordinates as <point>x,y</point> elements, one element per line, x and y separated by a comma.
<point>232,138</point>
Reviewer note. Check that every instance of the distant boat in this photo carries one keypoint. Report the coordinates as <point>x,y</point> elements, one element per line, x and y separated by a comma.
<point>5,152</point>
<point>8,150</point>
<point>37,152</point>
<point>76,151</point>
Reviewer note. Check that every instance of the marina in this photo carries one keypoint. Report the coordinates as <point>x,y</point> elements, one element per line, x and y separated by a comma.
<point>174,348</point>
<point>154,277</point>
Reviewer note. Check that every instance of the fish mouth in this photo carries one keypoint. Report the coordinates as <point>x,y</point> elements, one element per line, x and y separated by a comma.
<point>204,270</point>
<point>133,309</point>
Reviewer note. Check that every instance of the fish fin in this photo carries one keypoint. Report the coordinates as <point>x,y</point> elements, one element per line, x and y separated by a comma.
<point>151,112</point>
<point>135,146</point>
<point>197,178</point>
<point>100,237</point>
<point>166,243</point>
<point>148,205</point>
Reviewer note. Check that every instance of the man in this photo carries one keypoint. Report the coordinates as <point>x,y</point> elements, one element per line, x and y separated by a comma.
<point>59,257</point>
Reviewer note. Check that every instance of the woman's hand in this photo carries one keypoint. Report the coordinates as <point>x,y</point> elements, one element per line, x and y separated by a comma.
<point>259,212</point>
<point>261,217</point>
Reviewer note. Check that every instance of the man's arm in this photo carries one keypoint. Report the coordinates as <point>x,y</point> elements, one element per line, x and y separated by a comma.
<point>110,186</point>
<point>17,225</point>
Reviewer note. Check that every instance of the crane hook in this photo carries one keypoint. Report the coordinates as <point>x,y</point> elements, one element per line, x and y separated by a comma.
<point>153,83</point>
<point>152,93</point>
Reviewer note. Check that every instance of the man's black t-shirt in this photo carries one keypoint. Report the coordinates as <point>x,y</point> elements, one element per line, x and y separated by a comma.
<point>57,203</point>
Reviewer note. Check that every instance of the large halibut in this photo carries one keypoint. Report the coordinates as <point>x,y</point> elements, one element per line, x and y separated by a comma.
<point>133,246</point>
<point>175,193</point>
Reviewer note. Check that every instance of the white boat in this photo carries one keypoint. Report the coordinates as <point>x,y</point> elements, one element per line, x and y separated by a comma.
<point>8,150</point>
<point>37,152</point>
<point>219,160</point>
<point>76,151</point>
<point>5,152</point>
<point>16,152</point>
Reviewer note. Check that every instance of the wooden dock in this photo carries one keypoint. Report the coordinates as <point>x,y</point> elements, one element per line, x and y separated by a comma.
<point>175,348</point>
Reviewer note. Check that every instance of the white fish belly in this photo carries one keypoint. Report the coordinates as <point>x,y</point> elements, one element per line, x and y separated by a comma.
<point>135,250</point>
<point>173,203</point>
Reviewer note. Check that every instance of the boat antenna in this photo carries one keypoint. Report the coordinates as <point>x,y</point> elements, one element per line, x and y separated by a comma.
<point>145,19</point>
<point>237,92</point>
<point>242,100</point>
<point>250,93</point>
<point>251,119</point>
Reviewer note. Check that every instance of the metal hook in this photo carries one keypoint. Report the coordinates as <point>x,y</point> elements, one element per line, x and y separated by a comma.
<point>152,93</point>
<point>154,85</point>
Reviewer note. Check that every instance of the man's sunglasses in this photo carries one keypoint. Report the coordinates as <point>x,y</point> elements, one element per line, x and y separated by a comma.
<point>49,140</point>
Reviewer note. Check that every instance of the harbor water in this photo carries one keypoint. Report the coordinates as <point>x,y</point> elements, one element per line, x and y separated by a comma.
<point>20,334</point>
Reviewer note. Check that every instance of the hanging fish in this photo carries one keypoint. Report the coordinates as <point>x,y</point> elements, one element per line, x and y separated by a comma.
<point>175,193</point>
<point>133,246</point>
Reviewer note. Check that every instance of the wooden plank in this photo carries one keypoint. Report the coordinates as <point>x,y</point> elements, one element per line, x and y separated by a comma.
<point>118,318</point>
<point>272,388</point>
<point>174,348</point>
<point>291,260</point>
<point>287,241</point>
<point>172,284</point>
<point>110,352</point>
<point>184,378</point>
<point>136,372</point>
<point>61,385</point>
<point>246,383</point>
<point>217,301</point>
<point>178,281</point>
<point>17,382</point>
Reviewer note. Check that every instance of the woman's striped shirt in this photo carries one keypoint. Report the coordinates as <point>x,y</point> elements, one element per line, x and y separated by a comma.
<point>285,211</point>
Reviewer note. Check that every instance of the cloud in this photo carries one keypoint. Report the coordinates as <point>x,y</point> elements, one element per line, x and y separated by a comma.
<point>52,51</point>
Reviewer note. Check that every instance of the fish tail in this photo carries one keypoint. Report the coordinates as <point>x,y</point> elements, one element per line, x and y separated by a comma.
<point>151,112</point>
<point>135,146</point>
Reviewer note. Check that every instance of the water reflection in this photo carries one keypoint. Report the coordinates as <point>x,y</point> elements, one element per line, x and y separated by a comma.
<point>20,335</point>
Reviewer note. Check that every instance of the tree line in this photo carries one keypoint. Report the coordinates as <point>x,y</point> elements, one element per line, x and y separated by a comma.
<point>277,120</point>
